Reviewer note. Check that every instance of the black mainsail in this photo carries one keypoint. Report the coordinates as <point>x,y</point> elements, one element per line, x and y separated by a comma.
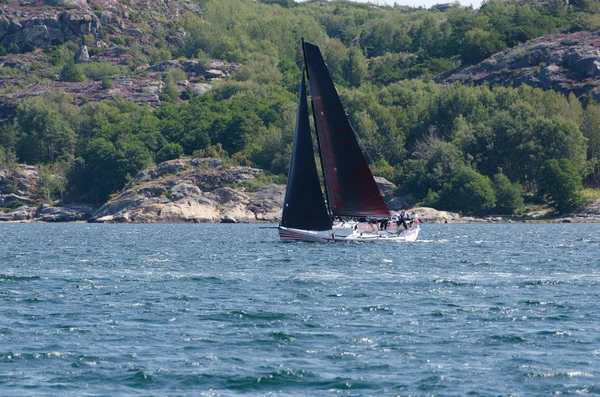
<point>304,205</point>
<point>351,189</point>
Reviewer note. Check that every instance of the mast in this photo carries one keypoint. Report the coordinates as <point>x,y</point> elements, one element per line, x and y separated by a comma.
<point>312,106</point>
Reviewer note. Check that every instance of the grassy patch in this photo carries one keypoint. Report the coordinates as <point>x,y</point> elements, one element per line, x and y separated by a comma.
<point>13,205</point>
<point>591,194</point>
<point>261,181</point>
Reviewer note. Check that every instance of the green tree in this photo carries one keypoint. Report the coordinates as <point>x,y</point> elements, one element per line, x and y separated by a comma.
<point>355,67</point>
<point>46,132</point>
<point>170,92</point>
<point>265,146</point>
<point>479,45</point>
<point>60,55</point>
<point>436,163</point>
<point>469,192</point>
<point>336,54</point>
<point>7,158</point>
<point>169,151</point>
<point>591,130</point>
<point>72,72</point>
<point>107,83</point>
<point>14,48</point>
<point>133,156</point>
<point>98,177</point>
<point>561,185</point>
<point>509,198</point>
<point>52,181</point>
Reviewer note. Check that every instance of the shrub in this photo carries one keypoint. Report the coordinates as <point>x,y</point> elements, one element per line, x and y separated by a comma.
<point>72,72</point>
<point>169,151</point>
<point>59,55</point>
<point>7,157</point>
<point>508,195</point>
<point>14,48</point>
<point>431,200</point>
<point>107,83</point>
<point>14,204</point>
<point>97,70</point>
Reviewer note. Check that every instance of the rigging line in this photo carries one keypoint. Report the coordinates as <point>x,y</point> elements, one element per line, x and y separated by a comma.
<point>360,143</point>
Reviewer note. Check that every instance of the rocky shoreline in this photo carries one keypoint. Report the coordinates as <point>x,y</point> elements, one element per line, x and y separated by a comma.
<point>205,191</point>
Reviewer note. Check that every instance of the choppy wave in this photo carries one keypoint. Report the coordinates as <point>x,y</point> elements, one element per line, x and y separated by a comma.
<point>175,310</point>
<point>12,277</point>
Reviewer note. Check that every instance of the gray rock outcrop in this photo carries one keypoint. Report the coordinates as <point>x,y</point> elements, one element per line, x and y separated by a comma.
<point>431,215</point>
<point>562,62</point>
<point>41,27</point>
<point>68,213</point>
<point>82,55</point>
<point>193,190</point>
<point>18,184</point>
<point>23,213</point>
<point>385,187</point>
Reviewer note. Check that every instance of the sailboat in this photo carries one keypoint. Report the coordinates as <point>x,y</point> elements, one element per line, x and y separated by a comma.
<point>351,194</point>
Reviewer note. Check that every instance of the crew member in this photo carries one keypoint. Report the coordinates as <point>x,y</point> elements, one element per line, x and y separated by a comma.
<point>403,219</point>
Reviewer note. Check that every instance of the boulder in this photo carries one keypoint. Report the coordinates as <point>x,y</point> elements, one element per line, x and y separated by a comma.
<point>201,89</point>
<point>82,55</point>
<point>550,73</point>
<point>590,67</point>
<point>399,203</point>
<point>20,214</point>
<point>386,187</point>
<point>431,215</point>
<point>9,198</point>
<point>181,211</point>
<point>69,213</point>
<point>267,202</point>
<point>164,66</point>
<point>226,195</point>
<point>192,66</point>
<point>213,74</point>
<point>186,190</point>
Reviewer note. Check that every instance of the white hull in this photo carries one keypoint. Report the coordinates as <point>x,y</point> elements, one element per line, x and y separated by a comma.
<point>350,231</point>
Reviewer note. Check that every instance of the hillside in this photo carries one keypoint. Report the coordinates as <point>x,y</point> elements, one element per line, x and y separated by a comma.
<point>566,63</point>
<point>110,39</point>
<point>96,91</point>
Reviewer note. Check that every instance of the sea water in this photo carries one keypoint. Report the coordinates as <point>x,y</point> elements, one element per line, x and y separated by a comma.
<point>225,310</point>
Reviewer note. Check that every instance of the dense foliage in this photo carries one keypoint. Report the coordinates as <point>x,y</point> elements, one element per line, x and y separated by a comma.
<point>561,185</point>
<point>471,149</point>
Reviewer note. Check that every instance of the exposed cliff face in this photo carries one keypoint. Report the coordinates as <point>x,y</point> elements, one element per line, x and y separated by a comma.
<point>105,25</point>
<point>563,62</point>
<point>39,25</point>
<point>42,23</point>
<point>22,200</point>
<point>144,90</point>
<point>19,184</point>
<point>196,190</point>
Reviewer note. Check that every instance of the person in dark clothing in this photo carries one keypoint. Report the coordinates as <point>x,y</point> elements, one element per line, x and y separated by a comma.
<point>383,224</point>
<point>404,218</point>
